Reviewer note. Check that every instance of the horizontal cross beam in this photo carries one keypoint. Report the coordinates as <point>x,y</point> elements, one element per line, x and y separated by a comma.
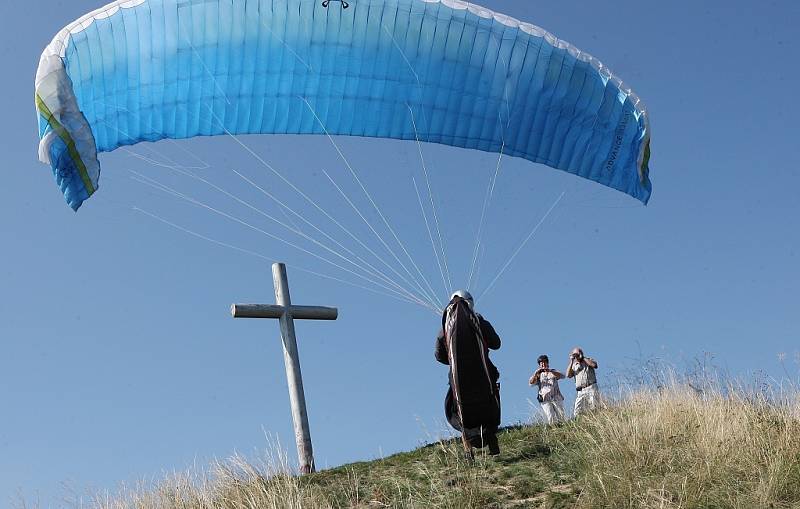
<point>276,311</point>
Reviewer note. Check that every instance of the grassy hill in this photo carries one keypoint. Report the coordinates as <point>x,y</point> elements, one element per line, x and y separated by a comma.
<point>671,448</point>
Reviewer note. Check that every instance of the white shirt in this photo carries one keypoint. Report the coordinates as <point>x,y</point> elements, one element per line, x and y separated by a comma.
<point>548,387</point>
<point>584,374</point>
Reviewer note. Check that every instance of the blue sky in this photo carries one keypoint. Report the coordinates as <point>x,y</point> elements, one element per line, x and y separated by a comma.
<point>120,360</point>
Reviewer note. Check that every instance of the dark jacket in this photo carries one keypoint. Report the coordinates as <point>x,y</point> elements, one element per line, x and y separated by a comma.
<point>490,338</point>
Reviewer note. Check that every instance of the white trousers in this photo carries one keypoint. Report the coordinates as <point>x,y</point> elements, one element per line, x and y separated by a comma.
<point>553,410</point>
<point>587,400</point>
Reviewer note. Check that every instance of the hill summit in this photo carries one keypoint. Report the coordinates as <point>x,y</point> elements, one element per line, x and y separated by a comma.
<point>674,447</point>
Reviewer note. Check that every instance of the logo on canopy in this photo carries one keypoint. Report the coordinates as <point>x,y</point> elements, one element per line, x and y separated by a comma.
<point>345,5</point>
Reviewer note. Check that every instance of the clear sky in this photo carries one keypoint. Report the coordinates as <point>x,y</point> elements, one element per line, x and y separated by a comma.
<point>120,360</point>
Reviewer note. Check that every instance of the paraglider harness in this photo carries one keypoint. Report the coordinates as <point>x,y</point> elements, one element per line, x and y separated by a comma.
<point>449,318</point>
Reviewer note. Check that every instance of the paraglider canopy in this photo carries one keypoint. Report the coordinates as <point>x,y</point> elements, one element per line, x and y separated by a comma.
<point>441,71</point>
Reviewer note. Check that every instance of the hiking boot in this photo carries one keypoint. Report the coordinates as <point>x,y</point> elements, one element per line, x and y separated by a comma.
<point>469,457</point>
<point>494,447</point>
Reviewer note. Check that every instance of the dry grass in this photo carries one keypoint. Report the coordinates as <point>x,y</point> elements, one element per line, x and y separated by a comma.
<point>675,447</point>
<point>435,475</point>
<point>684,448</point>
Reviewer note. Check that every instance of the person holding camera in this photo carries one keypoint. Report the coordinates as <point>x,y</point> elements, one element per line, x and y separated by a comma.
<point>582,368</point>
<point>549,395</point>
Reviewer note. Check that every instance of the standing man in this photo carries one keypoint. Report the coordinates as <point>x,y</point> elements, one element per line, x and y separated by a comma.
<point>582,368</point>
<point>549,395</point>
<point>472,403</point>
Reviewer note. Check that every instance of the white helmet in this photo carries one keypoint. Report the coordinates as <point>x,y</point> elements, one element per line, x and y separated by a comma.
<point>464,295</point>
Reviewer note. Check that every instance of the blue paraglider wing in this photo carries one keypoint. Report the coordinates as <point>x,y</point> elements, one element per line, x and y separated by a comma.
<point>447,71</point>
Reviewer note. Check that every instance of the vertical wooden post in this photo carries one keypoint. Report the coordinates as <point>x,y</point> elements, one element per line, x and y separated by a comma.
<point>297,398</point>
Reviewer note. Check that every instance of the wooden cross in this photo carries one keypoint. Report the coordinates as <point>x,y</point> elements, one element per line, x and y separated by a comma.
<point>286,313</point>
